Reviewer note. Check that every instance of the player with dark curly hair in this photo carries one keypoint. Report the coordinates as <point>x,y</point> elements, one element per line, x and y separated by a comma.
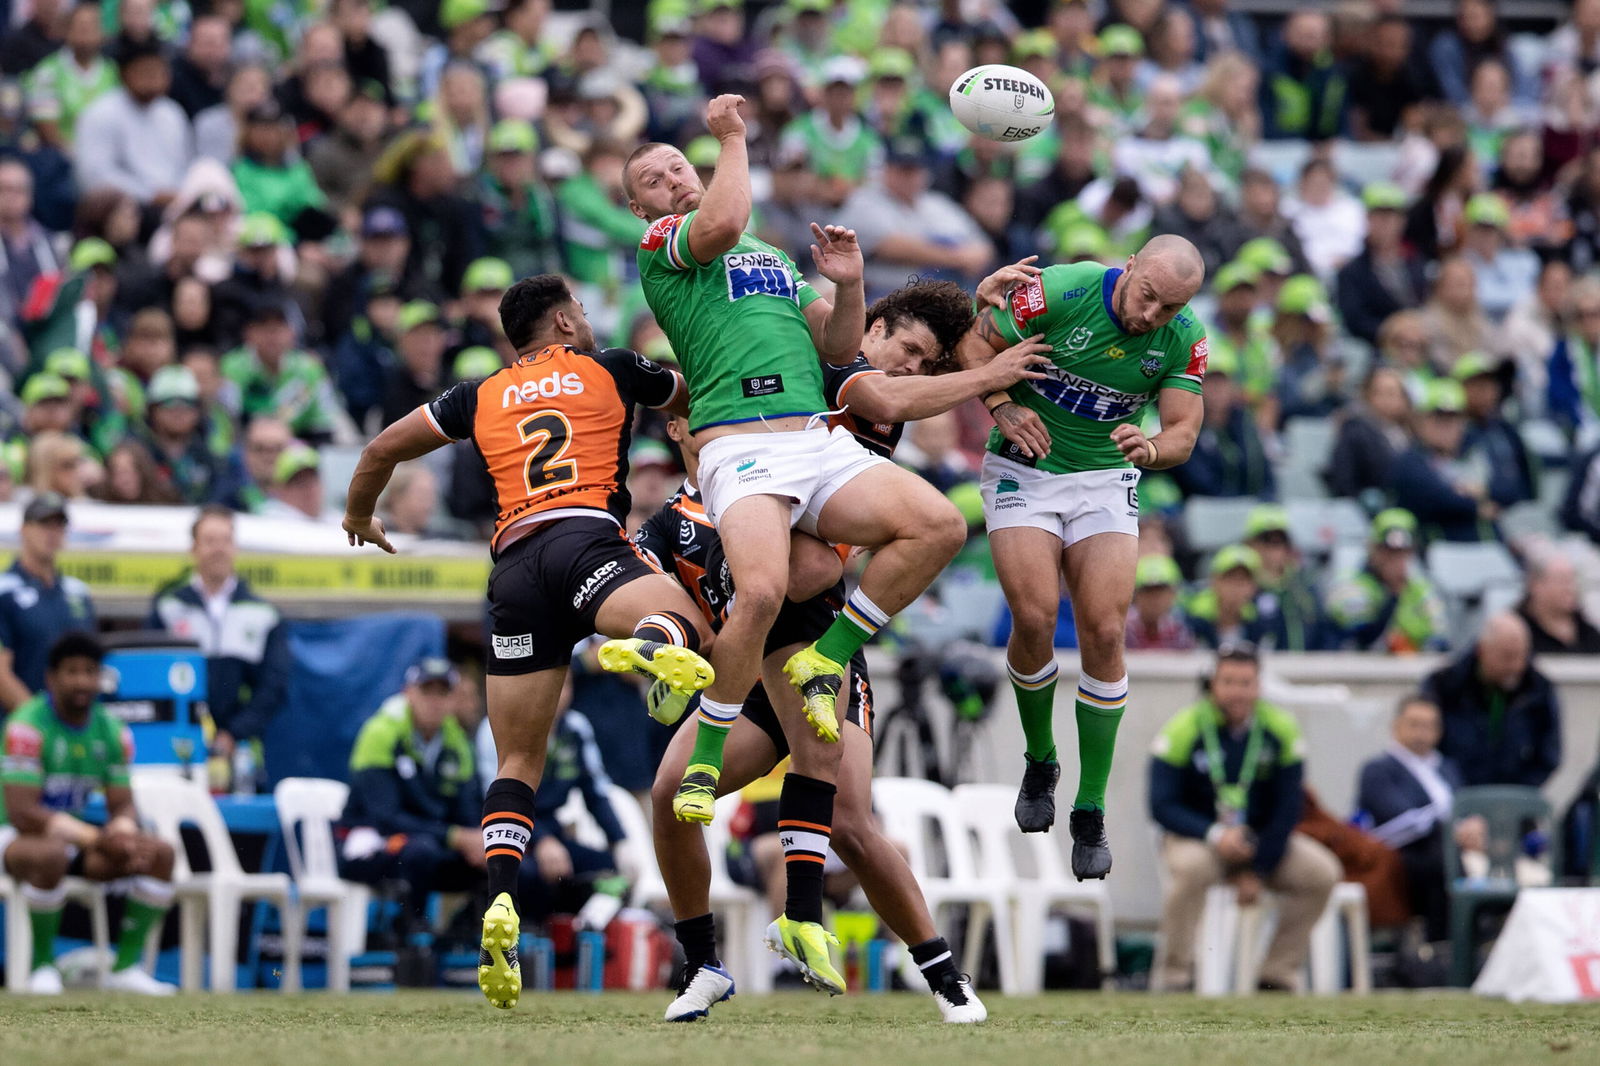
<point>910,340</point>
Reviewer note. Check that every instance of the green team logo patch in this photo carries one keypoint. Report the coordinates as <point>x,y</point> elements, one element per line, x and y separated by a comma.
<point>1006,484</point>
<point>1150,365</point>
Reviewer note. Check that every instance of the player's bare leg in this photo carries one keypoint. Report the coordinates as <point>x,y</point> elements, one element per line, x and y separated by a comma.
<point>890,887</point>
<point>522,708</point>
<point>914,533</point>
<point>755,535</point>
<point>686,866</point>
<point>1100,573</point>
<point>660,633</point>
<point>1028,563</point>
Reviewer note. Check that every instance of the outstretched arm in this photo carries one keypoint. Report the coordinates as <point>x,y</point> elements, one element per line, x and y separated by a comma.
<point>881,398</point>
<point>724,210</point>
<point>410,438</point>
<point>837,325</point>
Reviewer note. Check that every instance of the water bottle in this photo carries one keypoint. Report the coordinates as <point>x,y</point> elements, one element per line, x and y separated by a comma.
<point>539,958</point>
<point>591,961</point>
<point>877,968</point>
<point>244,770</point>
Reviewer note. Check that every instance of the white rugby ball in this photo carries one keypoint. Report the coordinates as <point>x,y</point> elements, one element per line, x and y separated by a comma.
<point>1002,103</point>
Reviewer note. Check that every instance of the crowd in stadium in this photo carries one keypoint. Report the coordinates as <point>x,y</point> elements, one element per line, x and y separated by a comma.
<point>234,234</point>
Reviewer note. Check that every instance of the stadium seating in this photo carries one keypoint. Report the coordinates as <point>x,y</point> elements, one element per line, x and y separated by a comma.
<point>209,904</point>
<point>988,809</point>
<point>1508,811</point>
<point>19,933</point>
<point>1465,574</point>
<point>311,805</point>
<point>1211,522</point>
<point>909,808</point>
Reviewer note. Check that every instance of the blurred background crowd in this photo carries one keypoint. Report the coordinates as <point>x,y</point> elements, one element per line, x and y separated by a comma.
<point>237,237</point>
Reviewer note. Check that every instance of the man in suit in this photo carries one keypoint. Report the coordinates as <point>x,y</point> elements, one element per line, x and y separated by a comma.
<point>1406,795</point>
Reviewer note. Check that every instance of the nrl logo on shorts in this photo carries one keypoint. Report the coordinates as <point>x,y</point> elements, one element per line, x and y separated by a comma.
<point>1080,338</point>
<point>1150,365</point>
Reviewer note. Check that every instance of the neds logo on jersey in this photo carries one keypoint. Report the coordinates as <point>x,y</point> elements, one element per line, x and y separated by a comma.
<point>546,388</point>
<point>763,273</point>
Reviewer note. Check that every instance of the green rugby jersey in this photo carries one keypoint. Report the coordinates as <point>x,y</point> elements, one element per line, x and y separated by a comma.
<point>1101,376</point>
<point>68,764</point>
<point>736,325</point>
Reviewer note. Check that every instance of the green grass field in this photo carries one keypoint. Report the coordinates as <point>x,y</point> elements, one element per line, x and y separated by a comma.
<point>1117,1030</point>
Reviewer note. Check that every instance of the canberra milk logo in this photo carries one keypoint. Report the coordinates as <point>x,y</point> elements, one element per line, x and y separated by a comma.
<point>545,388</point>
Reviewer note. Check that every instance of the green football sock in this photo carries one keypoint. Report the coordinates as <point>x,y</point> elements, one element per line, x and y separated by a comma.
<point>1036,703</point>
<point>138,918</point>
<point>855,625</point>
<point>714,721</point>
<point>46,924</point>
<point>1099,711</point>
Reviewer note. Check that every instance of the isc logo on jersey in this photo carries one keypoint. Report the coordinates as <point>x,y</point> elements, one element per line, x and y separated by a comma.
<point>753,273</point>
<point>545,388</point>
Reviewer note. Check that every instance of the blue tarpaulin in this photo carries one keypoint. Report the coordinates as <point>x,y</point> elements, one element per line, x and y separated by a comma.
<point>342,671</point>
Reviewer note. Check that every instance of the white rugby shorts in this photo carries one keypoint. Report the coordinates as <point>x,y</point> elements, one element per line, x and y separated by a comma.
<point>807,466</point>
<point>1074,507</point>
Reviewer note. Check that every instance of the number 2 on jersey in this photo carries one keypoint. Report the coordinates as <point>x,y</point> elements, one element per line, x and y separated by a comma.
<point>550,434</point>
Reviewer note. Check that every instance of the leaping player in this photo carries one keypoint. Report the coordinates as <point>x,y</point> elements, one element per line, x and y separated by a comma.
<point>1060,489</point>
<point>749,329</point>
<point>553,430</point>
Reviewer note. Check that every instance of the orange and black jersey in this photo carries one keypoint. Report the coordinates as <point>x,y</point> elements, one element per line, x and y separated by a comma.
<point>553,431</point>
<point>681,540</point>
<point>879,437</point>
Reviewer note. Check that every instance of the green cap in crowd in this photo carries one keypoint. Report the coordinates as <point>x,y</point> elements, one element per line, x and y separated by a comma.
<point>1235,557</point>
<point>1383,196</point>
<point>1394,528</point>
<point>1154,571</point>
<point>69,363</point>
<point>1121,40</point>
<point>486,275</point>
<point>45,386</point>
<point>1305,295</point>
<point>1488,209</point>
<point>476,362</point>
<point>513,135</point>
<point>1443,396</point>
<point>417,313</point>
<point>1266,518</point>
<point>1236,275</point>
<point>91,252</point>
<point>296,459</point>
<point>1266,255</point>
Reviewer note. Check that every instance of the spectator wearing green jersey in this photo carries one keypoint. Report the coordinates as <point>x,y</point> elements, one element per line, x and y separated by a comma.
<point>275,378</point>
<point>1295,602</point>
<point>596,226</point>
<point>519,210</point>
<point>839,146</point>
<point>61,747</point>
<point>1226,787</point>
<point>271,177</point>
<point>1113,87</point>
<point>1229,609</point>
<point>70,79</point>
<point>1384,606</point>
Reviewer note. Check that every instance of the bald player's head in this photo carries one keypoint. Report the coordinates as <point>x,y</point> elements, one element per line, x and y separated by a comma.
<point>1504,645</point>
<point>1159,280</point>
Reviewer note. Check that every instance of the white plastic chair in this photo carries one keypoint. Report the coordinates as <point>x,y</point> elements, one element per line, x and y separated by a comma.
<point>313,805</point>
<point>988,809</point>
<point>741,911</point>
<point>1348,902</point>
<point>209,904</point>
<point>1307,446</point>
<point>19,931</point>
<point>908,806</point>
<point>1233,940</point>
<point>1321,525</point>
